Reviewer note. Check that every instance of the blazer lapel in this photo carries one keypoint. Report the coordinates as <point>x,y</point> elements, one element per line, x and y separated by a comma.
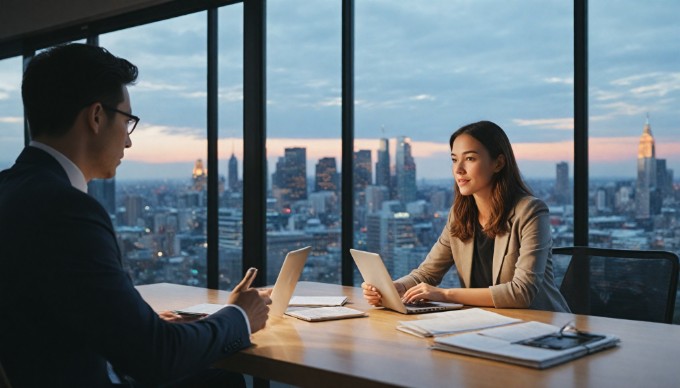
<point>500,248</point>
<point>463,254</point>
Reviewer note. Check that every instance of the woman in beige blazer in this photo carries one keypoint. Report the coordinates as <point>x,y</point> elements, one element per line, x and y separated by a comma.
<point>497,235</point>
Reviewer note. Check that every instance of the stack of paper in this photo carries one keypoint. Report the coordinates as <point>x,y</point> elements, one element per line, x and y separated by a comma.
<point>317,314</point>
<point>451,322</point>
<point>317,301</point>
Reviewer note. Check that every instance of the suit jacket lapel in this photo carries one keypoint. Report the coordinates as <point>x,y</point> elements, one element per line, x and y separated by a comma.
<point>500,248</point>
<point>463,255</point>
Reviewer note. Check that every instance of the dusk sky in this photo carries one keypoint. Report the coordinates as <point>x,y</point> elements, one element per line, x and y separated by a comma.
<point>422,69</point>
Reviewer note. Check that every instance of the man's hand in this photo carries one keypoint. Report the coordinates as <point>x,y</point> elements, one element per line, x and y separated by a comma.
<point>251,301</point>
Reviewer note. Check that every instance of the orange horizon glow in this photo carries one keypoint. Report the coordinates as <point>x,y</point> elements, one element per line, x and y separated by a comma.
<point>154,144</point>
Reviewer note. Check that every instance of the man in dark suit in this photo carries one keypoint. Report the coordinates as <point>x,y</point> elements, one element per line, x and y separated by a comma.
<point>69,314</point>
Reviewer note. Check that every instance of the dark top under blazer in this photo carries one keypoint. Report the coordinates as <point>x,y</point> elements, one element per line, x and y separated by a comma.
<point>66,304</point>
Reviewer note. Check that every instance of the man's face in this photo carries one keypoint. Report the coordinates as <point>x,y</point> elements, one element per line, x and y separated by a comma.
<point>114,139</point>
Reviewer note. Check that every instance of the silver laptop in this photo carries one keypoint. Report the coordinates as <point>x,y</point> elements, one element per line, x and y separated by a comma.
<point>287,280</point>
<point>374,272</point>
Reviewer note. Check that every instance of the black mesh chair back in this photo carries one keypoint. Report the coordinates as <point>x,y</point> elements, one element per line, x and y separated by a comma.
<point>617,283</point>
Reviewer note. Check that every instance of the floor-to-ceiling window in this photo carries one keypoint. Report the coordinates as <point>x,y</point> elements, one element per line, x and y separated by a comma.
<point>160,188</point>
<point>424,71</point>
<point>230,144</point>
<point>11,112</point>
<point>303,135</point>
<point>634,135</point>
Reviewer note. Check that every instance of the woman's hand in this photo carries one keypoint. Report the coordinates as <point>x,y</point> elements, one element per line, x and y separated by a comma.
<point>423,292</point>
<point>373,296</point>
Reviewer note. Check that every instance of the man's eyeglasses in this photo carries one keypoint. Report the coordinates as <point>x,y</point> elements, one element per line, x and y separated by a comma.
<point>132,119</point>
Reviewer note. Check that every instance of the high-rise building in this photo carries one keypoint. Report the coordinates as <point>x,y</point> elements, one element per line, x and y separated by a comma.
<point>363,172</point>
<point>382,166</point>
<point>104,191</point>
<point>233,173</point>
<point>327,177</point>
<point>375,196</point>
<point>230,233</point>
<point>664,179</point>
<point>645,188</point>
<point>405,171</point>
<point>289,181</point>
<point>133,210</point>
<point>199,176</point>
<point>387,232</point>
<point>562,193</point>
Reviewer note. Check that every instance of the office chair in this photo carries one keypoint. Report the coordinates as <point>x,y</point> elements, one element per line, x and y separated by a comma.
<point>618,283</point>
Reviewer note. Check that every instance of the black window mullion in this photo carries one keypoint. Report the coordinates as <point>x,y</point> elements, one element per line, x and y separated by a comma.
<point>213,173</point>
<point>254,139</point>
<point>347,141</point>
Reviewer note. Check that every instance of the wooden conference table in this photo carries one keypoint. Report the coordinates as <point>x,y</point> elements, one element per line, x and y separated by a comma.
<point>371,352</point>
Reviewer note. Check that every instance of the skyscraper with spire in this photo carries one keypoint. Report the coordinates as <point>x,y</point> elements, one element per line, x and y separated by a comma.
<point>233,172</point>
<point>646,196</point>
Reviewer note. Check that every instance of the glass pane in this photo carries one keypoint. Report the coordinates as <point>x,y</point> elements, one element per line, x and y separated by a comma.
<point>634,125</point>
<point>230,146</point>
<point>303,135</point>
<point>160,188</point>
<point>424,71</point>
<point>11,112</point>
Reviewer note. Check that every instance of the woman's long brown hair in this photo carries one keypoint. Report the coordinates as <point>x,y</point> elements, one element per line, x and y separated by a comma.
<point>507,184</point>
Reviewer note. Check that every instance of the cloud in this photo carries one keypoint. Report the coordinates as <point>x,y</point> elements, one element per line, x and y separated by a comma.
<point>12,120</point>
<point>623,108</point>
<point>562,124</point>
<point>337,101</point>
<point>148,86</point>
<point>231,94</point>
<point>659,87</point>
<point>558,80</point>
<point>422,97</point>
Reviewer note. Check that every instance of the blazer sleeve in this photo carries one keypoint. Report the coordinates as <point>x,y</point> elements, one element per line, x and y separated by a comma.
<point>95,302</point>
<point>524,264</point>
<point>435,265</point>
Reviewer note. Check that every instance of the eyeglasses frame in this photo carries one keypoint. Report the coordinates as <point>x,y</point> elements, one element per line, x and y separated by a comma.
<point>132,117</point>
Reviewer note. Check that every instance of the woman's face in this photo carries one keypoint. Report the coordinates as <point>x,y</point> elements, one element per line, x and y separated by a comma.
<point>473,167</point>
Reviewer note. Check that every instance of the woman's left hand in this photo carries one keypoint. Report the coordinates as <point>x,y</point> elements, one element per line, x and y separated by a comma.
<point>422,292</point>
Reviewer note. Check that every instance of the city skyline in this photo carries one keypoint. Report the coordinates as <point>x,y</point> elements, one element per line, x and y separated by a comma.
<point>420,72</point>
<point>433,157</point>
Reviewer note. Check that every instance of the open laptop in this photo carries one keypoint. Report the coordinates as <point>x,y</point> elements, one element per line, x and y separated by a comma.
<point>287,280</point>
<point>374,272</point>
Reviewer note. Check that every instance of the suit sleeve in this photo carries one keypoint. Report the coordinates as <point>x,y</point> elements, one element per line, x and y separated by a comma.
<point>95,300</point>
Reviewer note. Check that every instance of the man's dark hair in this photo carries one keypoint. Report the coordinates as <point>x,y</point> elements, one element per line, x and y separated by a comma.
<point>64,79</point>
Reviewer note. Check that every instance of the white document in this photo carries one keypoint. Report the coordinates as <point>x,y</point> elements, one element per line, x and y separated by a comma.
<point>202,309</point>
<point>317,301</point>
<point>316,314</point>
<point>451,322</point>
